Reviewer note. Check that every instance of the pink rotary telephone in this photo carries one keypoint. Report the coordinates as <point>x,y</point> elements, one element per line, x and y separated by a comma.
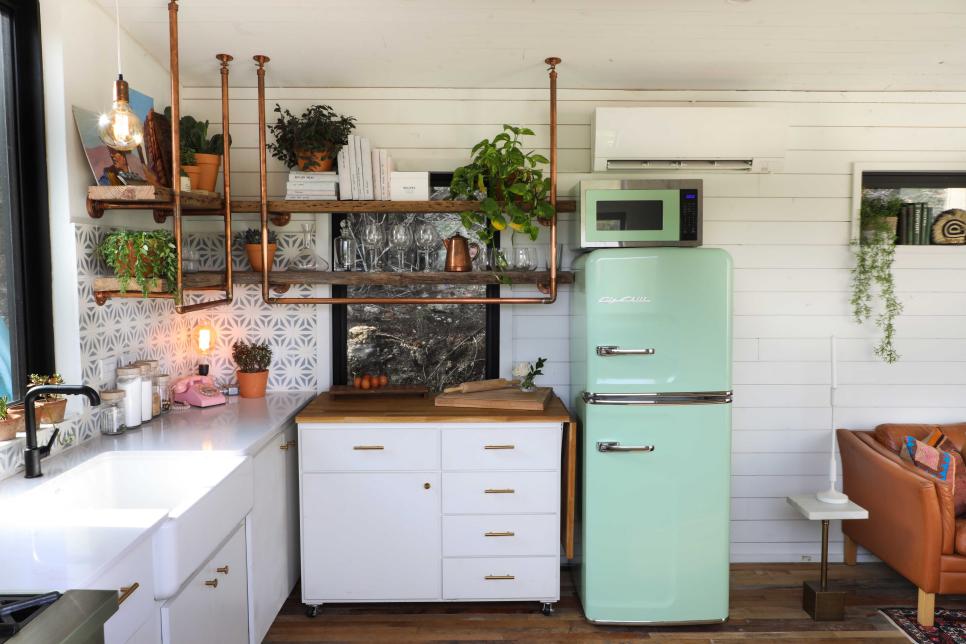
<point>199,391</point>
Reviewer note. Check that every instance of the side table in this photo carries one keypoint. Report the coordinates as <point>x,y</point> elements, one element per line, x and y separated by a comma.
<point>817,600</point>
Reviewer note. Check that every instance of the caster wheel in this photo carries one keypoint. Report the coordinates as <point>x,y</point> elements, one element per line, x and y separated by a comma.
<point>547,609</point>
<point>312,611</point>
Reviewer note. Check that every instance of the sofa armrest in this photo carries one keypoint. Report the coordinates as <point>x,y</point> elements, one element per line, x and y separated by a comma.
<point>904,527</point>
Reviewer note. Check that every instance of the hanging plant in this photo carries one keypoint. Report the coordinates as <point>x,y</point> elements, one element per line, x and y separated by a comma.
<point>147,257</point>
<point>875,254</point>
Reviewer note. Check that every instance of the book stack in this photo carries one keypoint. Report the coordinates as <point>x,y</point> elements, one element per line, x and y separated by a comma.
<point>311,186</point>
<point>915,224</point>
<point>363,171</point>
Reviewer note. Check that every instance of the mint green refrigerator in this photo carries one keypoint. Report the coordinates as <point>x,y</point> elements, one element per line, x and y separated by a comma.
<point>651,375</point>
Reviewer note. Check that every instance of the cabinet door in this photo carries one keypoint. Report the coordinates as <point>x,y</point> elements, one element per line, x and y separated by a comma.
<point>274,530</point>
<point>370,536</point>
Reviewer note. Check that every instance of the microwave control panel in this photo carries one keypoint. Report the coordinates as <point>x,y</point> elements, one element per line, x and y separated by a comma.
<point>689,215</point>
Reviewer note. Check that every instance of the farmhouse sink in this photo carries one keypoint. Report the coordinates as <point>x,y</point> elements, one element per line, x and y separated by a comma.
<point>205,495</point>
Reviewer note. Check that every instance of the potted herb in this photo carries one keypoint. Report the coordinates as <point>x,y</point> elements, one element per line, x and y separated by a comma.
<point>11,421</point>
<point>513,189</point>
<point>253,360</point>
<point>875,253</point>
<point>310,141</point>
<point>200,155</point>
<point>48,408</point>
<point>190,168</point>
<point>144,256</point>
<point>252,239</point>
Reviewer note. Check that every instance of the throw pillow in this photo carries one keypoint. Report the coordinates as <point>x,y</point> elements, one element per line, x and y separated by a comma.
<point>931,460</point>
<point>939,440</point>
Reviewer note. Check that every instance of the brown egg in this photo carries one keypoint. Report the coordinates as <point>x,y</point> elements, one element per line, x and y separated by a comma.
<point>357,382</point>
<point>383,380</point>
<point>366,382</point>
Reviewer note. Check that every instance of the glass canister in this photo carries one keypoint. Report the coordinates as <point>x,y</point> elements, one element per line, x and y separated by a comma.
<point>163,392</point>
<point>155,398</point>
<point>112,413</point>
<point>129,381</point>
<point>147,389</point>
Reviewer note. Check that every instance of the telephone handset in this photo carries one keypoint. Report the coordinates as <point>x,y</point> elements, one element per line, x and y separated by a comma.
<point>199,391</point>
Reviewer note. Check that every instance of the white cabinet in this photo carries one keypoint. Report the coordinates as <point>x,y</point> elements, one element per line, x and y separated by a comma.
<point>434,512</point>
<point>273,531</point>
<point>133,578</point>
<point>213,604</point>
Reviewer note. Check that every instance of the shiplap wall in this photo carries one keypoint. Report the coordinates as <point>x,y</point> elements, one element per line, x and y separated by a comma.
<point>788,234</point>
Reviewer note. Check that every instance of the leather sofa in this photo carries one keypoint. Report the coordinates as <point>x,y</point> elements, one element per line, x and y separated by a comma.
<point>912,525</point>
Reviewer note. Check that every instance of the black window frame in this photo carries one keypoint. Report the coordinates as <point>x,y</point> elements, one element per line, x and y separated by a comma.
<point>32,304</point>
<point>340,325</point>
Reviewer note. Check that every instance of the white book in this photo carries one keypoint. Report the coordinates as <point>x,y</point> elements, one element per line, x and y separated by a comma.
<point>387,168</point>
<point>318,185</point>
<point>307,193</point>
<point>376,175</point>
<point>356,162</point>
<point>297,175</point>
<point>345,192</point>
<point>311,197</point>
<point>366,154</point>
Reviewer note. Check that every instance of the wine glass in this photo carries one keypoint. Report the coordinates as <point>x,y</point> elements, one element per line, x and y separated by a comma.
<point>306,259</point>
<point>525,258</point>
<point>373,238</point>
<point>400,241</point>
<point>427,240</point>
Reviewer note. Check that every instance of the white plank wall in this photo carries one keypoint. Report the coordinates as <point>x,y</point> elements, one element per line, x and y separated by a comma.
<point>788,234</point>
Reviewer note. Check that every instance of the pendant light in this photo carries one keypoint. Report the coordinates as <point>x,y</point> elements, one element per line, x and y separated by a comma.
<point>120,129</point>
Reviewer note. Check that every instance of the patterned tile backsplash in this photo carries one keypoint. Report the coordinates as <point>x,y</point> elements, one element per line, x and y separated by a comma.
<point>128,329</point>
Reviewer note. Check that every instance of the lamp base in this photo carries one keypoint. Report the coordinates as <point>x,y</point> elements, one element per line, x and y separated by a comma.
<point>831,495</point>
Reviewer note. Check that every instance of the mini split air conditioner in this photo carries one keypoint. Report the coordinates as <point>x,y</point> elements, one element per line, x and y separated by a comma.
<point>750,139</point>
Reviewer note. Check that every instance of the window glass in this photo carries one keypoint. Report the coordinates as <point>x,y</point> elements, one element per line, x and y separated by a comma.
<point>9,385</point>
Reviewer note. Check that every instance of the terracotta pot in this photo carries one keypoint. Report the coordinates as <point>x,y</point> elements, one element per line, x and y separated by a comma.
<point>252,385</point>
<point>194,174</point>
<point>9,427</point>
<point>128,266</point>
<point>208,167</point>
<point>317,160</point>
<point>50,411</point>
<point>254,252</point>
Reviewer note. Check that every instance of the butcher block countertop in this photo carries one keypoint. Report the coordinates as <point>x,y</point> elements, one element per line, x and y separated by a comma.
<point>395,409</point>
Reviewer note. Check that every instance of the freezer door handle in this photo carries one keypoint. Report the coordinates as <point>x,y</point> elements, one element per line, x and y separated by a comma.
<point>614,350</point>
<point>614,446</point>
<point>659,398</point>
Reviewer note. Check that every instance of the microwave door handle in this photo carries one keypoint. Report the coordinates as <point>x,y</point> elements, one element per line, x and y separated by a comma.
<point>613,350</point>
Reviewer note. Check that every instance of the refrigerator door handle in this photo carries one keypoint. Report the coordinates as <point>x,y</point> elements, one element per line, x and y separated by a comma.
<point>614,350</point>
<point>614,446</point>
<point>660,398</point>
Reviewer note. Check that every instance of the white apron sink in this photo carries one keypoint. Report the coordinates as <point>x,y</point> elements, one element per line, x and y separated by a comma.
<point>205,495</point>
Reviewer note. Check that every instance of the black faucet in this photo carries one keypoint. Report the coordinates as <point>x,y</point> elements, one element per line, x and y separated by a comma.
<point>32,454</point>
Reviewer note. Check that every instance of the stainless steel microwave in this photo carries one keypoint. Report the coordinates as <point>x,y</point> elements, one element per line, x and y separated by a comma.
<point>645,212</point>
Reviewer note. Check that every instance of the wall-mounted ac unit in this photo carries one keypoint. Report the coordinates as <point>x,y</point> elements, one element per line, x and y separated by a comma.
<point>698,139</point>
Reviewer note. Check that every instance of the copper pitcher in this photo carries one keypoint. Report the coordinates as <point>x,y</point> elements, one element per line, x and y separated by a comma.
<point>460,253</point>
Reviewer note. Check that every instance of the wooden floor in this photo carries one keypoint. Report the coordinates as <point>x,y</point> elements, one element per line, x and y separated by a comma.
<point>765,606</point>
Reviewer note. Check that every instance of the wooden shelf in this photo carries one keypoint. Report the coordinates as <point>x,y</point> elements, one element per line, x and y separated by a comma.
<point>154,198</point>
<point>290,206</point>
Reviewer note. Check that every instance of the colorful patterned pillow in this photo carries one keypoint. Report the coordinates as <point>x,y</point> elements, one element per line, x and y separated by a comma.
<point>928,458</point>
<point>939,440</point>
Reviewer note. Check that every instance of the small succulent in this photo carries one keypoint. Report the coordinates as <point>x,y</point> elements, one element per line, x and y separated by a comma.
<point>251,357</point>
<point>254,236</point>
<point>39,379</point>
<point>4,407</point>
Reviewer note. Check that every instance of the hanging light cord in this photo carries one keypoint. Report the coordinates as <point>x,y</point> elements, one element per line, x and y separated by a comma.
<point>117,20</point>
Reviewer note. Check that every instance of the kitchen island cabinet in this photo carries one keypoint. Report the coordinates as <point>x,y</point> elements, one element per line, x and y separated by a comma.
<point>404,501</point>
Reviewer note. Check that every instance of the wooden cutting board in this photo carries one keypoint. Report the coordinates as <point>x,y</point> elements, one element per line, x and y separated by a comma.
<point>388,390</point>
<point>510,398</point>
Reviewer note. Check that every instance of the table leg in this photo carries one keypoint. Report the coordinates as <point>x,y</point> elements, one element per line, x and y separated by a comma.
<point>817,600</point>
<point>825,554</point>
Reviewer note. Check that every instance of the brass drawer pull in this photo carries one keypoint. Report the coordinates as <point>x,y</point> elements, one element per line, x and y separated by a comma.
<point>499,447</point>
<point>498,577</point>
<point>499,534</point>
<point>367,447</point>
<point>223,570</point>
<point>499,491</point>
<point>127,591</point>
<point>212,582</point>
<point>284,446</point>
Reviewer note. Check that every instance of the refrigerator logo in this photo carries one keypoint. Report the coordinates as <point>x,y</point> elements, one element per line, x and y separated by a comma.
<point>626,299</point>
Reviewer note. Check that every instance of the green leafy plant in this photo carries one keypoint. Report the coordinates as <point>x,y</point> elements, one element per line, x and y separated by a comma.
<point>254,236</point>
<point>536,369</point>
<point>39,379</point>
<point>194,138</point>
<point>875,254</point>
<point>514,191</point>
<point>4,408</point>
<point>251,357</point>
<point>145,256</point>
<point>318,129</point>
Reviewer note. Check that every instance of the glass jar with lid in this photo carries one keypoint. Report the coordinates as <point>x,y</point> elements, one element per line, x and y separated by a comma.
<point>155,399</point>
<point>111,416</point>
<point>147,389</point>
<point>163,391</point>
<point>129,381</point>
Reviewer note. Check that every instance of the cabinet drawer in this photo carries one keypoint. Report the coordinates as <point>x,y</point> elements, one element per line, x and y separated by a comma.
<point>502,448</point>
<point>502,578</point>
<point>135,568</point>
<point>368,449</point>
<point>500,492</point>
<point>501,535</point>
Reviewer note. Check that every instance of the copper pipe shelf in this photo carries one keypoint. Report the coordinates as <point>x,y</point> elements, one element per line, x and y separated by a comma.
<point>155,198</point>
<point>289,206</point>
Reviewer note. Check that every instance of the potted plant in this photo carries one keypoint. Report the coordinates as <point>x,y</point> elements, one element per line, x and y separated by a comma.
<point>189,168</point>
<point>252,239</point>
<point>513,189</point>
<point>48,408</point>
<point>144,256</point>
<point>310,141</point>
<point>11,421</point>
<point>875,253</point>
<point>527,372</point>
<point>200,155</point>
<point>253,360</point>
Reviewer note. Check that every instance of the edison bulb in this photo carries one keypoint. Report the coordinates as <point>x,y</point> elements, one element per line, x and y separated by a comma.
<point>121,129</point>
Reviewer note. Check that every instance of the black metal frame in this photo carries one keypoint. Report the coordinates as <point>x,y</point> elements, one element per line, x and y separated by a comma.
<point>340,330</point>
<point>928,179</point>
<point>34,346</point>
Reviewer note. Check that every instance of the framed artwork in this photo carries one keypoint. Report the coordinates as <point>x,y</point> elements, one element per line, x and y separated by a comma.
<point>114,167</point>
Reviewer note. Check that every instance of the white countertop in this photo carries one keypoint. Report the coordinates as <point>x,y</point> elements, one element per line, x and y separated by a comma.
<point>54,556</point>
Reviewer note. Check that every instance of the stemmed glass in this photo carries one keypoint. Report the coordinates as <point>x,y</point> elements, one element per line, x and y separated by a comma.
<point>400,240</point>
<point>524,258</point>
<point>373,237</point>
<point>427,240</point>
<point>306,259</point>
